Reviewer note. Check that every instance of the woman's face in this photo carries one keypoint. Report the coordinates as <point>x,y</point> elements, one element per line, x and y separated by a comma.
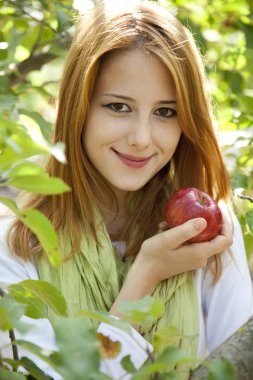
<point>132,127</point>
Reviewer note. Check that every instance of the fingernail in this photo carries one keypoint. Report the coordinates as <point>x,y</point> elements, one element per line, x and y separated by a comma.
<point>200,224</point>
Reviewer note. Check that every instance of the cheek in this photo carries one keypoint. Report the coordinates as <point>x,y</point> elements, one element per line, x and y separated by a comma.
<point>168,139</point>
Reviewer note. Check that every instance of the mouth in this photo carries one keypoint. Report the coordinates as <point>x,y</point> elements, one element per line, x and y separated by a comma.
<point>132,161</point>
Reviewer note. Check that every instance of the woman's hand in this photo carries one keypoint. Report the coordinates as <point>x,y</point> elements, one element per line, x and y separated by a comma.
<point>168,254</point>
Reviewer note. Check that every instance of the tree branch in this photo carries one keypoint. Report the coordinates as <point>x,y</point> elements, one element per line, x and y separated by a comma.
<point>248,198</point>
<point>34,62</point>
<point>237,349</point>
<point>12,337</point>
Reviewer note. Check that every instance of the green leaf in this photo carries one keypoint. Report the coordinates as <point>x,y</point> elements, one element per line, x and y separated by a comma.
<point>249,220</point>
<point>248,30</point>
<point>23,169</point>
<point>7,375</point>
<point>170,357</point>
<point>44,231</point>
<point>20,146</point>
<point>10,314</point>
<point>167,336</point>
<point>145,311</point>
<point>4,82</point>
<point>221,369</point>
<point>10,203</point>
<point>238,181</point>
<point>147,370</point>
<point>42,184</point>
<point>79,348</point>
<point>42,290</point>
<point>35,307</point>
<point>33,370</point>
<point>3,54</point>
<point>174,355</point>
<point>45,126</point>
<point>103,316</point>
<point>127,364</point>
<point>7,101</point>
<point>43,354</point>
<point>42,228</point>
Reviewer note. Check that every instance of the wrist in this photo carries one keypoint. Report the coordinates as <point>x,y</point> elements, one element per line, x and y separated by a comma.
<point>138,284</point>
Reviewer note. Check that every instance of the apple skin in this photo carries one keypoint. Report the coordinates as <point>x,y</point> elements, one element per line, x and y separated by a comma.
<point>189,203</point>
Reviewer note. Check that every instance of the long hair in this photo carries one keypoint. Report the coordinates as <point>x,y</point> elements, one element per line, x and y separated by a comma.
<point>196,162</point>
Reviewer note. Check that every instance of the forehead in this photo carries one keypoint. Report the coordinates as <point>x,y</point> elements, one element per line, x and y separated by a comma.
<point>134,68</point>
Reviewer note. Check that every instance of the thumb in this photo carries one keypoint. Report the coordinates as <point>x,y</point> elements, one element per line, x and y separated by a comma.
<point>181,234</point>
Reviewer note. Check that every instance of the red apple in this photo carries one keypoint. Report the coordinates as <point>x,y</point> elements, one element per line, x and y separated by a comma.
<point>189,203</point>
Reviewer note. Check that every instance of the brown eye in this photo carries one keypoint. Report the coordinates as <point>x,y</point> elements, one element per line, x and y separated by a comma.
<point>118,107</point>
<point>165,112</point>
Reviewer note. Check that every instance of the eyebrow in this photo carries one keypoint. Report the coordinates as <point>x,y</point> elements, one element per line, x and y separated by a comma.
<point>131,99</point>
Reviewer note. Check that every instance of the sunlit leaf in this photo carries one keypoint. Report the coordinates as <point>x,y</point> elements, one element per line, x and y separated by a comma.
<point>35,306</point>
<point>23,169</point>
<point>42,184</point>
<point>44,291</point>
<point>20,146</point>
<point>43,229</point>
<point>10,203</point>
<point>45,126</point>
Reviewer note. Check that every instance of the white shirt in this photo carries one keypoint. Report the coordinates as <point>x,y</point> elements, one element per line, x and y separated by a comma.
<point>223,308</point>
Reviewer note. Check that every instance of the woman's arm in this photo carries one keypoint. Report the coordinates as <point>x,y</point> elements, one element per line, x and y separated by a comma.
<point>14,270</point>
<point>166,254</point>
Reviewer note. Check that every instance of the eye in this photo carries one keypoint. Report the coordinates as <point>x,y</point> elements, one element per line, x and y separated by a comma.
<point>165,112</point>
<point>118,107</point>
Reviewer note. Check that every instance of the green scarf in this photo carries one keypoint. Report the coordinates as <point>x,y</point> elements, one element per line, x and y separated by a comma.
<point>92,278</point>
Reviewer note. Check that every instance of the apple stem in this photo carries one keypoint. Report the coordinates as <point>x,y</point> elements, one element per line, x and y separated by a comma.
<point>202,200</point>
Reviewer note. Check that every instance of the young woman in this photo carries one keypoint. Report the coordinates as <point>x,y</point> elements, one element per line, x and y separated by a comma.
<point>137,123</point>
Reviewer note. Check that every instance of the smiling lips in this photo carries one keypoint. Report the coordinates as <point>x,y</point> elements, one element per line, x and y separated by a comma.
<point>134,162</point>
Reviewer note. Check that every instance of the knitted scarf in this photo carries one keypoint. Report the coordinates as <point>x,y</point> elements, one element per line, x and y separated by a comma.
<point>92,278</point>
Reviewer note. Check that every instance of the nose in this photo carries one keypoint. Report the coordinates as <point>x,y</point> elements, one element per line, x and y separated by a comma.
<point>140,133</point>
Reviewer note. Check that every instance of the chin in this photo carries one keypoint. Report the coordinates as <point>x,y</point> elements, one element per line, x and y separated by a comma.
<point>133,187</point>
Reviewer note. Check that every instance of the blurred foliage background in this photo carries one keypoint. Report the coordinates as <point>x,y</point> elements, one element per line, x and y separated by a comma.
<point>34,38</point>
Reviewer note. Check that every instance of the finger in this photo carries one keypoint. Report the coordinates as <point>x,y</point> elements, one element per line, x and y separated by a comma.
<point>179,235</point>
<point>221,242</point>
<point>226,227</point>
<point>163,226</point>
<point>225,237</point>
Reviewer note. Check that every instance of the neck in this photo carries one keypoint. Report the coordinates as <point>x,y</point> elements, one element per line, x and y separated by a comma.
<point>114,212</point>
